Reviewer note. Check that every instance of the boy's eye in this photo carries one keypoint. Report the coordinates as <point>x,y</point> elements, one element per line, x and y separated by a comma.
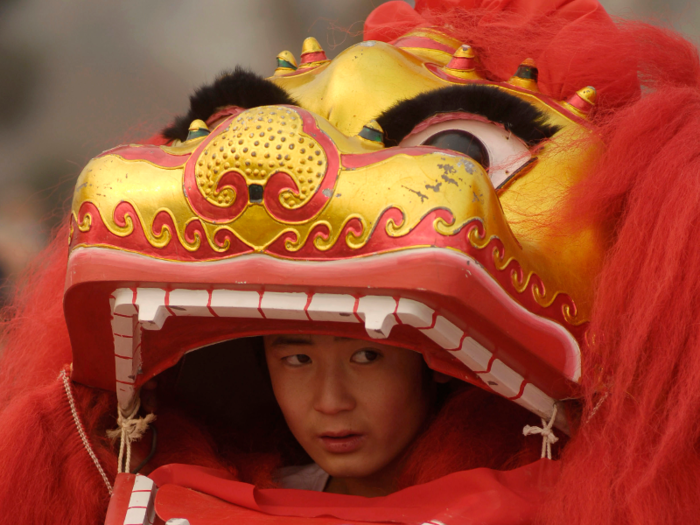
<point>364,357</point>
<point>297,359</point>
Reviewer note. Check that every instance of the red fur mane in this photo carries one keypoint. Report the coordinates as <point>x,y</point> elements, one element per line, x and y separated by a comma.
<point>638,458</point>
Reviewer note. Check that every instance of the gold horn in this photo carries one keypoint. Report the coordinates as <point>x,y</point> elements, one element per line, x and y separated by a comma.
<point>526,76</point>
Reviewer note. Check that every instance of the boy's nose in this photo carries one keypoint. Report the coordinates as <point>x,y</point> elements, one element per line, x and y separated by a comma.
<point>333,395</point>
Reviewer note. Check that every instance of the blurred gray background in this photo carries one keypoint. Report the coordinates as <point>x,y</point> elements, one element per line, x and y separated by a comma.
<point>80,76</point>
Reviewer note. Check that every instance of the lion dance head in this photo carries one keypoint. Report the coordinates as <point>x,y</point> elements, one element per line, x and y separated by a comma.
<point>508,188</point>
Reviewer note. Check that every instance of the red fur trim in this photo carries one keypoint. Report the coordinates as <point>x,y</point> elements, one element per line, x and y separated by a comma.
<point>574,43</point>
<point>474,429</point>
<point>46,475</point>
<point>182,440</point>
<point>638,458</point>
<point>35,337</point>
<point>391,20</point>
<point>637,461</point>
<point>156,140</point>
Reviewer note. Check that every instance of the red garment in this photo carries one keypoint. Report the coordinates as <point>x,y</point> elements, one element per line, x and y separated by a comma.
<point>483,496</point>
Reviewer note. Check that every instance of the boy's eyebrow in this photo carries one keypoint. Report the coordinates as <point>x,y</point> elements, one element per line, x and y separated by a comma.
<point>282,340</point>
<point>290,340</point>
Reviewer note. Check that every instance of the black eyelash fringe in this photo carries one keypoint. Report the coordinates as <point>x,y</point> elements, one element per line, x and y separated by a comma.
<point>515,114</point>
<point>238,88</point>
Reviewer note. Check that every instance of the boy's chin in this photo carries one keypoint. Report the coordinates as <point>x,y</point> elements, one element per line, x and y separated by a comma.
<point>349,466</point>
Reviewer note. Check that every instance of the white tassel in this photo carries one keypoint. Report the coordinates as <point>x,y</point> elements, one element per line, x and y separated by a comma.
<point>548,437</point>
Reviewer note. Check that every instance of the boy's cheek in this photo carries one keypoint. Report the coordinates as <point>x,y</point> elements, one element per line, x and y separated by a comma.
<point>297,419</point>
<point>293,396</point>
<point>403,412</point>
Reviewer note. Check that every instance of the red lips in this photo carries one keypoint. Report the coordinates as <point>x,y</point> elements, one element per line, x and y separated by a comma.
<point>343,442</point>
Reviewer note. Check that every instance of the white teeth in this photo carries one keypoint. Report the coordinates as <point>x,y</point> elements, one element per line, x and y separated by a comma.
<point>195,302</point>
<point>378,314</point>
<point>236,303</point>
<point>148,308</point>
<point>474,355</point>
<point>151,305</point>
<point>332,307</point>
<point>445,334</point>
<point>141,503</point>
<point>415,314</point>
<point>276,305</point>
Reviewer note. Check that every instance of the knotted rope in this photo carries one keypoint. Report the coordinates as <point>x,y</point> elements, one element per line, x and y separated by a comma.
<point>129,429</point>
<point>548,437</point>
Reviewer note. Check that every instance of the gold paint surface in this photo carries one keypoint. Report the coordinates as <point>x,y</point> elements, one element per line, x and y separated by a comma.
<point>310,45</point>
<point>412,182</point>
<point>257,144</point>
<point>588,94</point>
<point>288,56</point>
<point>360,83</point>
<point>345,94</point>
<point>435,35</point>
<point>465,52</point>
<point>198,124</point>
<point>525,83</point>
<point>403,177</point>
<point>464,74</point>
<point>183,148</point>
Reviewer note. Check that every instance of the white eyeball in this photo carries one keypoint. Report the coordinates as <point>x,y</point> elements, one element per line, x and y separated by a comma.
<point>498,151</point>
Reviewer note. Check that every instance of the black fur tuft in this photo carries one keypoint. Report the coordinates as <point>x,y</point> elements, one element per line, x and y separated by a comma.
<point>240,88</point>
<point>516,115</point>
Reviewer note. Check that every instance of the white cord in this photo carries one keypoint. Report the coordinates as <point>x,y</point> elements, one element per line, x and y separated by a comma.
<point>81,431</point>
<point>129,428</point>
<point>597,406</point>
<point>548,437</point>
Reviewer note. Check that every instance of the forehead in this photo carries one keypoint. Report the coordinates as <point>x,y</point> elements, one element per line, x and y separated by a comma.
<point>369,78</point>
<point>360,83</point>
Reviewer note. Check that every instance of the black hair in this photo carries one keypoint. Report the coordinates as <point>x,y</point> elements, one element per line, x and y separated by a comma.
<point>516,115</point>
<point>237,88</point>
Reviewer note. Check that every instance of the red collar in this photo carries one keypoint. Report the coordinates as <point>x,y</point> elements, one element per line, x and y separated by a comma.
<point>485,496</point>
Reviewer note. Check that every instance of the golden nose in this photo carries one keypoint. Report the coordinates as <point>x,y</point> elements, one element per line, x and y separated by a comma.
<point>259,143</point>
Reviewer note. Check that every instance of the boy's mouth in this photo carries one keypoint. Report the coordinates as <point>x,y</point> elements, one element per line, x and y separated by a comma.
<point>343,442</point>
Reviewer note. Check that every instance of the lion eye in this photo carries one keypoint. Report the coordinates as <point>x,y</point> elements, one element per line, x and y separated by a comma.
<point>461,142</point>
<point>496,149</point>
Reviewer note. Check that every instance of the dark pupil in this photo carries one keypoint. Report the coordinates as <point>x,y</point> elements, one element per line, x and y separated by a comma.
<point>462,142</point>
<point>370,355</point>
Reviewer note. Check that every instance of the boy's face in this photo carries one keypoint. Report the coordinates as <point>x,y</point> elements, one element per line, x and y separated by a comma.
<point>353,405</point>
